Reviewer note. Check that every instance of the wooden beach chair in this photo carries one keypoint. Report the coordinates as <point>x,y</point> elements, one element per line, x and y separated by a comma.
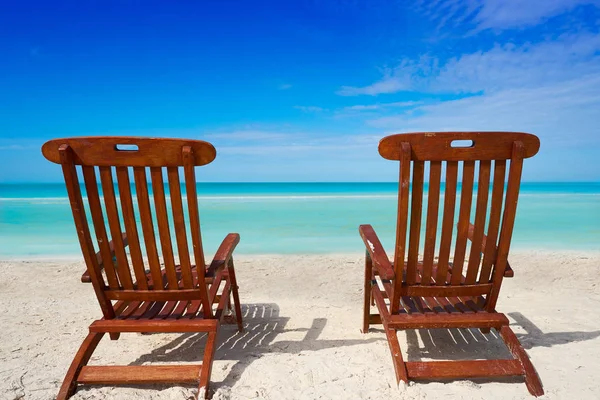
<point>424,287</point>
<point>146,290</point>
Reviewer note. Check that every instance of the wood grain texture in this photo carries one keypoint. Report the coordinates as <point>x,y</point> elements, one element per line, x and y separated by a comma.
<point>114,223</point>
<point>466,197</point>
<point>463,369</point>
<point>480,217</point>
<point>428,294</point>
<point>402,222</point>
<point>433,202</point>
<point>376,252</point>
<point>447,221</point>
<point>141,189</point>
<point>131,229</point>
<point>508,221</point>
<point>456,320</point>
<point>192,199</point>
<point>164,231</point>
<point>489,256</point>
<point>180,227</point>
<point>170,299</point>
<point>139,374</point>
<point>106,252</point>
<point>416,207</point>
<point>102,151</point>
<point>436,146</point>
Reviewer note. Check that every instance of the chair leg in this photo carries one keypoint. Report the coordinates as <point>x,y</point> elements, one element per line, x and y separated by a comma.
<point>81,359</point>
<point>367,293</point>
<point>399,366</point>
<point>236,296</point>
<point>532,380</point>
<point>207,360</point>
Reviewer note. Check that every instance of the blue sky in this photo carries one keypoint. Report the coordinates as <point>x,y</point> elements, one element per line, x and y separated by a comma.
<point>300,91</point>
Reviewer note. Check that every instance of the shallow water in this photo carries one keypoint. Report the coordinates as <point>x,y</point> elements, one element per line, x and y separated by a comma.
<point>36,220</point>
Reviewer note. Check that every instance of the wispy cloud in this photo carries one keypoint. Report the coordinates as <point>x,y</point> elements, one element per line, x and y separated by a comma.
<point>388,84</point>
<point>12,147</point>
<point>497,14</point>
<point>502,66</point>
<point>248,135</point>
<point>380,106</point>
<point>310,109</point>
<point>284,86</point>
<point>563,113</point>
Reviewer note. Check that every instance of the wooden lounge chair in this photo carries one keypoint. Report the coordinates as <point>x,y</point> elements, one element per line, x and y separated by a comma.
<point>436,291</point>
<point>144,291</point>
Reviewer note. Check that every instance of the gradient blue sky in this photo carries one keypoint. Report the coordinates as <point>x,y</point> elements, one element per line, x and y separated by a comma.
<point>300,91</point>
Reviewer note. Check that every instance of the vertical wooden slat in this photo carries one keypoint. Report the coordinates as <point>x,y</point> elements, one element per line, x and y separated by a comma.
<point>179,222</point>
<point>163,226</point>
<point>112,213</point>
<point>466,195</point>
<point>416,208</point>
<point>83,230</point>
<point>192,200</point>
<point>137,260</point>
<point>483,187</point>
<point>141,189</point>
<point>508,221</point>
<point>447,221</point>
<point>432,220</point>
<point>91,185</point>
<point>401,225</point>
<point>494,223</point>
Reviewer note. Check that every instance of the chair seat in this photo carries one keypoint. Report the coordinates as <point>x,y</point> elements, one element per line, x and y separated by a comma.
<point>158,310</point>
<point>165,310</point>
<point>445,312</point>
<point>442,305</point>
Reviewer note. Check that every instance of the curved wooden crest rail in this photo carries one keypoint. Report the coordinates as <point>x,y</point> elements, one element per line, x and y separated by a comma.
<point>145,290</point>
<point>424,285</point>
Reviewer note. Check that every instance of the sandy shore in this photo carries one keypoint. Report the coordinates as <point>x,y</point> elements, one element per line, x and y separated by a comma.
<point>302,340</point>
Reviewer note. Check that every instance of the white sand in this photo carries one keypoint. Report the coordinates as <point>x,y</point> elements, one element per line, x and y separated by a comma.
<point>302,340</point>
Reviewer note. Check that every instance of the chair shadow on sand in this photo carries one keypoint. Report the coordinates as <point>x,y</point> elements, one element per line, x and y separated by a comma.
<point>461,344</point>
<point>262,324</point>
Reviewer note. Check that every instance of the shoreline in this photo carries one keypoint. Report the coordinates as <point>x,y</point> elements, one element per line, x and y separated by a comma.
<point>517,252</point>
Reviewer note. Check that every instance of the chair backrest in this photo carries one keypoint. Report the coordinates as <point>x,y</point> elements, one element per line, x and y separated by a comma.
<point>478,170</point>
<point>112,207</point>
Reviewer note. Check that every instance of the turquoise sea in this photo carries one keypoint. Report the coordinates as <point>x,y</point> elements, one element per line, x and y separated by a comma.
<point>299,218</point>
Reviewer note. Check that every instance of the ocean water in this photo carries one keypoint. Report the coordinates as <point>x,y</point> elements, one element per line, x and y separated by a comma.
<point>299,218</point>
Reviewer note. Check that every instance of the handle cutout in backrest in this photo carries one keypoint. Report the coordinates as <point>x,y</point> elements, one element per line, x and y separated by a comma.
<point>126,147</point>
<point>462,143</point>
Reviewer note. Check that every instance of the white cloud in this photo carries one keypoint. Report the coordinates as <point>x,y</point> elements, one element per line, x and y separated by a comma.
<point>389,84</point>
<point>310,109</point>
<point>284,86</point>
<point>295,143</point>
<point>501,67</point>
<point>246,135</point>
<point>380,106</point>
<point>12,147</point>
<point>497,14</point>
<point>562,114</point>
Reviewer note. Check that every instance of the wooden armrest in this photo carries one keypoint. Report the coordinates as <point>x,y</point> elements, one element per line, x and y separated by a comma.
<point>508,272</point>
<point>376,252</point>
<point>223,254</point>
<point>85,278</point>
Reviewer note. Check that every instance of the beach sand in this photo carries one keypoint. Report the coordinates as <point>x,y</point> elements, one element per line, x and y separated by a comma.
<point>303,316</point>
